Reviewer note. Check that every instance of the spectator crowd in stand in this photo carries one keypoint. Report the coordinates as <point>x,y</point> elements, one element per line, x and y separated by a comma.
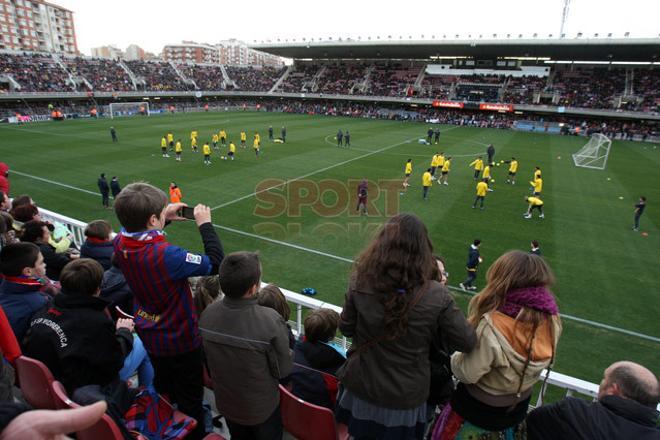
<point>621,88</point>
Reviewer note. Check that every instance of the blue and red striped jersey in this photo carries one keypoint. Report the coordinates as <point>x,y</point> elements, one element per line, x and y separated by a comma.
<point>158,272</point>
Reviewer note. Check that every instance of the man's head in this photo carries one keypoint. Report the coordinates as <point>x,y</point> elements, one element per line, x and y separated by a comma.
<point>141,206</point>
<point>23,199</point>
<point>82,277</point>
<point>535,244</point>
<point>25,259</point>
<point>102,175</point>
<point>5,204</point>
<point>485,179</point>
<point>477,243</point>
<point>321,325</point>
<point>642,199</point>
<point>99,229</point>
<point>240,274</point>
<point>631,381</point>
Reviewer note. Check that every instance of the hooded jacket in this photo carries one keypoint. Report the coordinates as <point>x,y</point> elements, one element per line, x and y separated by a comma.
<point>21,299</point>
<point>78,342</point>
<point>497,363</point>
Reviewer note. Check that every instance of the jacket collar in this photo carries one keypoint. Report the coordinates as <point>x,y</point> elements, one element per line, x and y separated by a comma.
<point>240,302</point>
<point>71,301</point>
<point>631,410</point>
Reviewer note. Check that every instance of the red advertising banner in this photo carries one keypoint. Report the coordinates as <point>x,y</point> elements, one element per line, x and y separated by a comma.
<point>448,104</point>
<point>497,107</point>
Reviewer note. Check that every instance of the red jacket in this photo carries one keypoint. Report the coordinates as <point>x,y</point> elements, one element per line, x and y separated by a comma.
<point>4,182</point>
<point>8,343</point>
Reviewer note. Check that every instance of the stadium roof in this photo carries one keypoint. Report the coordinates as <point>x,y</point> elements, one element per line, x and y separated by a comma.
<point>574,49</point>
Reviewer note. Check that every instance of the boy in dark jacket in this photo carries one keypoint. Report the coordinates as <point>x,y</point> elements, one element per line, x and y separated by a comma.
<point>76,340</point>
<point>22,265</point>
<point>97,245</point>
<point>315,355</point>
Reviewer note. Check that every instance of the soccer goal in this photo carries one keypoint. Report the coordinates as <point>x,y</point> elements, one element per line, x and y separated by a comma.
<point>594,153</point>
<point>128,109</point>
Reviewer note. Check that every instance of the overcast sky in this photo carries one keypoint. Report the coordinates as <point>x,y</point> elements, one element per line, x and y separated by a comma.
<point>153,23</point>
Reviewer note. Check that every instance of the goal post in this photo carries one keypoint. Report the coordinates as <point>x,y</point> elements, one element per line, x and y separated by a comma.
<point>128,109</point>
<point>594,153</point>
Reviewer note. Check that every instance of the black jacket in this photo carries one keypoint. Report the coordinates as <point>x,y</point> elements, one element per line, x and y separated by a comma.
<point>307,381</point>
<point>100,252</point>
<point>115,289</point>
<point>103,185</point>
<point>473,259</point>
<point>78,342</point>
<point>54,262</point>
<point>612,417</point>
<point>114,186</point>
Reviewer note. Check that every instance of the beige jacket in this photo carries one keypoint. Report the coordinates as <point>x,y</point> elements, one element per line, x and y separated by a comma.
<point>497,362</point>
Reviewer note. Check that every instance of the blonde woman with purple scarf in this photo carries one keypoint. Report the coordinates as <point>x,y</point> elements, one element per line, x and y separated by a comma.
<point>517,324</point>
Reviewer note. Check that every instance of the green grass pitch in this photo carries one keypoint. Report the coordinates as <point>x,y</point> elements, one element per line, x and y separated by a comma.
<point>307,230</point>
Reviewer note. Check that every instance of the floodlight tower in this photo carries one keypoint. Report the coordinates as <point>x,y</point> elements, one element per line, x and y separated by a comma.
<point>564,17</point>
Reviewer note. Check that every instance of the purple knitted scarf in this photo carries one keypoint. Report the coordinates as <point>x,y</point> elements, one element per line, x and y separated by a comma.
<point>535,298</point>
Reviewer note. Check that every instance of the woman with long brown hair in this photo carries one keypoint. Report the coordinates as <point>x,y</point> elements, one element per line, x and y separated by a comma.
<point>394,311</point>
<point>518,328</point>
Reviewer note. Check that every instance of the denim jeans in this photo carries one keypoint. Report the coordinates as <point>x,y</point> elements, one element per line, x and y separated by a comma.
<point>138,360</point>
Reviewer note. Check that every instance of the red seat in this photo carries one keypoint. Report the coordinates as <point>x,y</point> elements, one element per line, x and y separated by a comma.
<point>104,429</point>
<point>305,421</point>
<point>214,436</point>
<point>36,382</point>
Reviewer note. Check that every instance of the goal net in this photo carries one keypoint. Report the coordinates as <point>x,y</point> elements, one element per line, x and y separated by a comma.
<point>594,153</point>
<point>128,109</point>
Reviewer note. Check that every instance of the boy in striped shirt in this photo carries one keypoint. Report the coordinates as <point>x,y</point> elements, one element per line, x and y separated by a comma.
<point>157,273</point>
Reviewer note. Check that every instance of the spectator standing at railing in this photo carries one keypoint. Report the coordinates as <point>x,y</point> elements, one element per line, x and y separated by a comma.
<point>394,312</point>
<point>626,409</point>
<point>518,327</point>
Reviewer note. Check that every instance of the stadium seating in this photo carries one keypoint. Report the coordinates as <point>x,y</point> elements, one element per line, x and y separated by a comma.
<point>103,75</point>
<point>157,76</point>
<point>308,422</point>
<point>36,382</point>
<point>35,72</point>
<point>254,79</point>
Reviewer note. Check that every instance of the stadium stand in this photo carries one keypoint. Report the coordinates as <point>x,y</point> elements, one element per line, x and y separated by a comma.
<point>254,79</point>
<point>205,76</point>
<point>157,76</point>
<point>35,72</point>
<point>100,74</point>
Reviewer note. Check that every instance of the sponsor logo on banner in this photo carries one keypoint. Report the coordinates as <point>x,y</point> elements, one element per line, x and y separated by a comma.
<point>448,104</point>
<point>496,107</point>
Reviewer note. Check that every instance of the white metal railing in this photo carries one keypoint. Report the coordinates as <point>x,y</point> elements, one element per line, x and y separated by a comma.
<point>570,384</point>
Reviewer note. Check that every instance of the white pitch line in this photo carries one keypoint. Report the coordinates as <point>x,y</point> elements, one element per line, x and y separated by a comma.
<point>52,182</point>
<point>348,260</point>
<point>247,196</point>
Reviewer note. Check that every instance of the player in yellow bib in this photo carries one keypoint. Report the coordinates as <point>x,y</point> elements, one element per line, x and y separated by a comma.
<point>163,146</point>
<point>478,165</point>
<point>534,203</point>
<point>445,171</point>
<point>243,138</point>
<point>207,153</point>
<point>434,164</point>
<point>193,144</point>
<point>214,141</point>
<point>482,189</point>
<point>537,184</point>
<point>178,149</point>
<point>223,137</point>
<point>170,140</point>
<point>427,181</point>
<point>487,176</point>
<point>232,150</point>
<point>407,172</point>
<point>255,145</point>
<point>513,169</point>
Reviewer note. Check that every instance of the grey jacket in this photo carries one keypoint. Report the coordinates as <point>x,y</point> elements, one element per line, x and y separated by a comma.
<point>396,373</point>
<point>247,352</point>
